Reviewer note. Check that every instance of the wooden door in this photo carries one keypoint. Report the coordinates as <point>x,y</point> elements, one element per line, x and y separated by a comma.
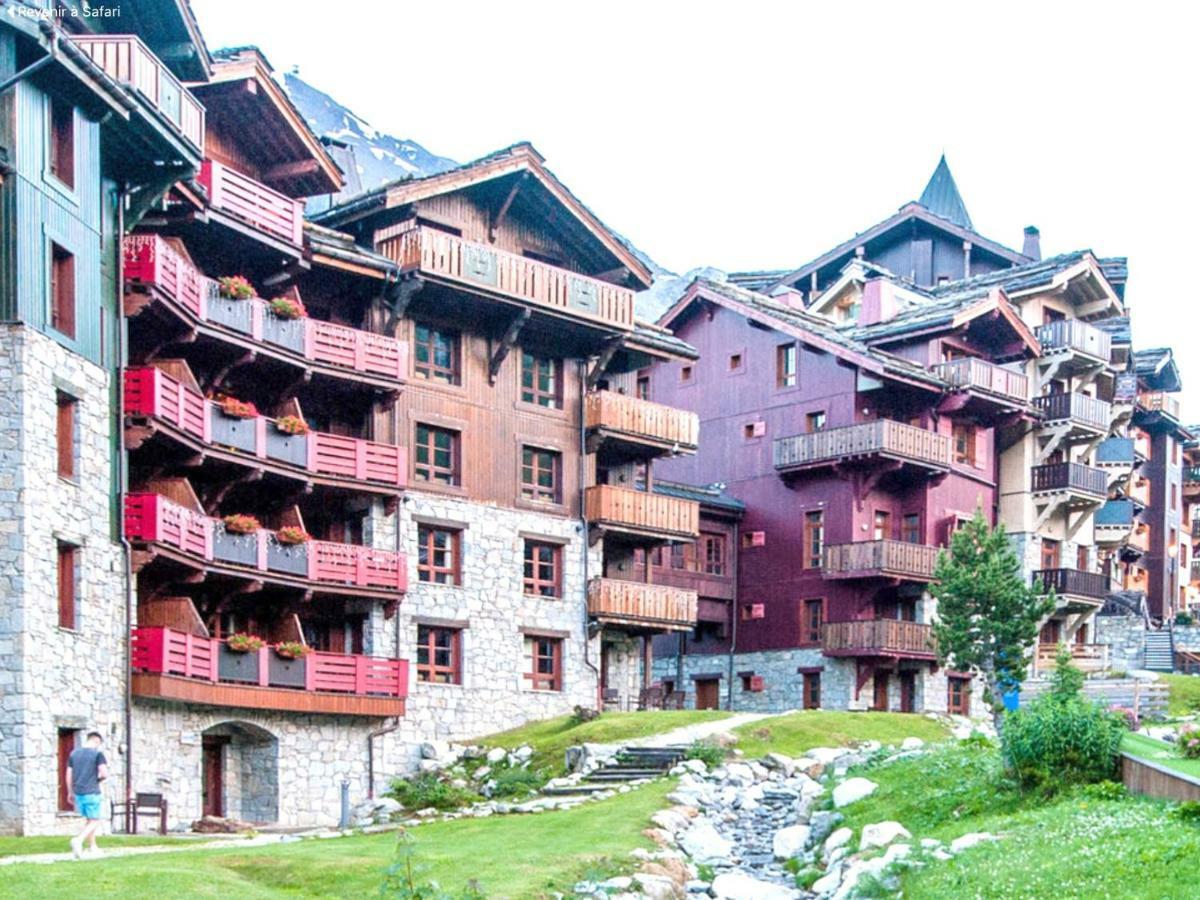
<point>881,692</point>
<point>1051,632</point>
<point>66,744</point>
<point>708,693</point>
<point>908,692</point>
<point>213,788</point>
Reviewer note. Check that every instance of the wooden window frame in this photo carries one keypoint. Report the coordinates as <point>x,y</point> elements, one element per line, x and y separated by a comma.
<point>533,580</point>
<point>907,530</point>
<point>642,387</point>
<point>961,706</point>
<point>814,421</point>
<point>544,681</point>
<point>63,293</point>
<point>60,143</point>
<point>1044,557</point>
<point>736,363</point>
<point>881,525</point>
<point>812,690</point>
<point>787,366</point>
<point>431,371</point>
<point>968,456</point>
<point>687,374</point>
<point>714,559</point>
<point>430,672</point>
<point>430,472</point>
<point>530,481</point>
<point>814,522</point>
<point>809,637</point>
<point>65,432</point>
<point>67,584</point>
<point>532,393</point>
<point>427,540</point>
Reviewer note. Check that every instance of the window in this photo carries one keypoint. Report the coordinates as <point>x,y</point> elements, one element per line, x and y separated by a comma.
<point>910,528</point>
<point>959,700</point>
<point>1050,550</point>
<point>883,525</point>
<point>1081,558</point>
<point>964,445</point>
<point>540,474</point>
<point>753,430</point>
<point>62,141</point>
<point>62,291</point>
<point>541,381</point>
<point>642,391</point>
<point>66,744</point>
<point>715,552</point>
<point>543,663</point>
<point>814,617</point>
<point>785,365</point>
<point>436,357</point>
<point>814,534</point>
<point>436,457</point>
<point>543,569</point>
<point>815,421</point>
<point>68,582</point>
<point>735,361</point>
<point>439,655</point>
<point>812,690</point>
<point>65,434</point>
<point>438,551</point>
<point>686,373</point>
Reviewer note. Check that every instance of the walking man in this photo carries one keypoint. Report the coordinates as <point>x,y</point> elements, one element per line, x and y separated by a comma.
<point>86,768</point>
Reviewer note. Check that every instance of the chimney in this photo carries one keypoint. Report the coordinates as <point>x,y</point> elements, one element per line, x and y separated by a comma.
<point>789,297</point>
<point>878,302</point>
<point>1033,243</point>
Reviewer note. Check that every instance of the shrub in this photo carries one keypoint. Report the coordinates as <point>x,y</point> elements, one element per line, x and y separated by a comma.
<point>238,409</point>
<point>708,752</point>
<point>402,881</point>
<point>1189,742</point>
<point>515,781</point>
<point>235,287</point>
<point>286,308</point>
<point>292,534</point>
<point>427,790</point>
<point>582,715</point>
<point>291,425</point>
<point>1188,811</point>
<point>239,523</point>
<point>1067,680</point>
<point>1103,790</point>
<point>245,643</point>
<point>1061,740</point>
<point>1184,618</point>
<point>1129,716</point>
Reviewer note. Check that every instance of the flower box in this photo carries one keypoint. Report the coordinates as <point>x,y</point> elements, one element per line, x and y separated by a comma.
<point>233,665</point>
<point>291,559</point>
<point>288,448</point>
<point>240,549</point>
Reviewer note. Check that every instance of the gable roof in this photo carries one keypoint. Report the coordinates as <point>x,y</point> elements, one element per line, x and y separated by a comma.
<point>941,197</point>
<point>518,158</point>
<point>1156,366</point>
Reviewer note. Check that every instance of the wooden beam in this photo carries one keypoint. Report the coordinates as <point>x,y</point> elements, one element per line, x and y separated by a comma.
<point>291,170</point>
<point>606,354</point>
<point>500,353</point>
<point>498,218</point>
<point>398,297</point>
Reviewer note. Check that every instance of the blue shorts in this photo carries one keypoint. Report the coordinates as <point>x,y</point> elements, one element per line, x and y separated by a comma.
<point>88,805</point>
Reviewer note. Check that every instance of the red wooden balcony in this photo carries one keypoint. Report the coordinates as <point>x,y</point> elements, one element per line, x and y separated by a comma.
<point>203,541</point>
<point>253,203</point>
<point>355,463</point>
<point>878,637</point>
<point>880,559</point>
<point>175,665</point>
<point>881,439</point>
<point>152,265</point>
<point>125,59</point>
<point>977,375</point>
<point>656,607</point>
<point>639,424</point>
<point>480,266</point>
<point>641,513</point>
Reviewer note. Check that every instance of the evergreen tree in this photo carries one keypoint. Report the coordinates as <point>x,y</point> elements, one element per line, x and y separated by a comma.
<point>987,616</point>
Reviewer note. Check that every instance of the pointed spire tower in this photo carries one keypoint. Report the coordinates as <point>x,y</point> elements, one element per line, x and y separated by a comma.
<point>942,198</point>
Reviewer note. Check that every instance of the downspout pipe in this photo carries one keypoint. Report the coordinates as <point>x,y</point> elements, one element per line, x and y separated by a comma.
<point>733,611</point>
<point>123,489</point>
<point>587,658</point>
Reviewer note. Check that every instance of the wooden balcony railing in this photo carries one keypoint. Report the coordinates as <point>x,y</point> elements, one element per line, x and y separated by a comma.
<point>887,558</point>
<point>970,373</point>
<point>1194,574</point>
<point>252,202</point>
<point>1117,453</point>
<point>1069,477</point>
<point>1078,408</point>
<point>642,419</point>
<point>871,637</point>
<point>1072,582</point>
<point>1075,336</point>
<point>479,265</point>
<point>642,512</point>
<point>150,262</point>
<point>880,438</point>
<point>153,519</point>
<point>1161,402</point>
<point>262,679</point>
<point>1088,658</point>
<point>636,603</point>
<point>126,59</point>
<point>153,393</point>
<point>1191,475</point>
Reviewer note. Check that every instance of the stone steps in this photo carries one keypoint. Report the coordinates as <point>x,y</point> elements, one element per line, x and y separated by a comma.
<point>631,764</point>
<point>1159,651</point>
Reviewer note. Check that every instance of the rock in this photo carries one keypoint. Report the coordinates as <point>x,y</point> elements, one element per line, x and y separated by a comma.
<point>822,824</point>
<point>839,838</point>
<point>930,843</point>
<point>739,772</point>
<point>881,834</point>
<point>496,754</point>
<point>669,820</point>
<point>790,841</point>
<point>912,743</point>
<point>826,755</point>
<point>429,765</point>
<point>851,790</point>
<point>220,825</point>
<point>660,836</point>
<point>523,753</point>
<point>967,841</point>
<point>778,761</point>
<point>434,749</point>
<point>854,872</point>
<point>482,773</point>
<point>867,747</point>
<point>740,886</point>
<point>669,867</point>
<point>696,886</point>
<point>897,851</point>
<point>695,766</point>
<point>725,739</point>
<point>828,883</point>
<point>704,845</point>
<point>658,887</point>
<point>810,767</point>
<point>620,883</point>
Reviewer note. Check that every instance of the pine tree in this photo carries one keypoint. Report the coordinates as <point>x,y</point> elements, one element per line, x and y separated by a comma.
<point>987,616</point>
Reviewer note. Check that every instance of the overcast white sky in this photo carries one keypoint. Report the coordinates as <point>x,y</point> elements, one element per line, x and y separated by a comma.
<point>756,135</point>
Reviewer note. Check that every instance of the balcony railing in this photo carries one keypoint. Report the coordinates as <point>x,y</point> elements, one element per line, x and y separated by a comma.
<point>479,265</point>
<point>976,374</point>
<point>1160,402</point>
<point>1117,453</point>
<point>1075,336</point>
<point>624,509</point>
<point>647,605</point>
<point>152,263</point>
<point>1117,514</point>
<point>1072,582</point>
<point>1077,408</point>
<point>880,438</point>
<point>1086,657</point>
<point>869,637</point>
<point>226,677</point>
<point>126,59</point>
<point>153,519</point>
<point>1069,477</point>
<point>1195,572</point>
<point>252,202</point>
<point>642,420</point>
<point>153,393</point>
<point>885,558</point>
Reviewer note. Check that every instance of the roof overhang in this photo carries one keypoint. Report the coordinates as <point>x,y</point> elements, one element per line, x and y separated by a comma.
<point>1083,285</point>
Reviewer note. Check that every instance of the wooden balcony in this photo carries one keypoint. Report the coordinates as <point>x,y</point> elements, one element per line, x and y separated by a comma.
<point>154,269</point>
<point>165,528</point>
<point>624,427</point>
<point>1191,481</point>
<point>173,665</point>
<point>655,607</point>
<point>463,263</point>
<point>878,637</point>
<point>880,559</point>
<point>1114,521</point>
<point>980,376</point>
<point>125,59</point>
<point>641,514</point>
<point>1082,413</point>
<point>1194,572</point>
<point>1119,453</point>
<point>167,404</point>
<point>1069,478</point>
<point>1076,338</point>
<point>1072,586</point>
<point>1160,402</point>
<point>867,441</point>
<point>1088,658</point>
<point>252,203</point>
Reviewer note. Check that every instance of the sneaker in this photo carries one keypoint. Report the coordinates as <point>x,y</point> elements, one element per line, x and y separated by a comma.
<point>77,847</point>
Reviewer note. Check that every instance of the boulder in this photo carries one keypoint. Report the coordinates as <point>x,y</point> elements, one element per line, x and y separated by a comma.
<point>852,790</point>
<point>826,755</point>
<point>669,820</point>
<point>881,834</point>
<point>739,773</point>
<point>967,841</point>
<point>912,743</point>
<point>619,883</point>
<point>839,838</point>
<point>784,764</point>
<point>434,749</point>
<point>523,753</point>
<point>660,836</point>
<point>669,867</point>
<point>496,754</point>
<point>657,887</point>
<point>695,766</point>
<point>828,883</point>
<point>740,886</point>
<point>790,841</point>
<point>822,824</point>
<point>704,845</point>
<point>220,825</point>
<point>897,851</point>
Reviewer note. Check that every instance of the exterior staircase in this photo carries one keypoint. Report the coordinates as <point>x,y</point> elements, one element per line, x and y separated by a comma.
<point>1158,650</point>
<point>630,764</point>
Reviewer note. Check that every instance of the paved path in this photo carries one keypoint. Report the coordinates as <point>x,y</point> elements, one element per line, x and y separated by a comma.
<point>691,733</point>
<point>112,851</point>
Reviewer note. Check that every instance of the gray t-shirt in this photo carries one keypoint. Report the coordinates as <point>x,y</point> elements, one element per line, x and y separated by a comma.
<point>85,766</point>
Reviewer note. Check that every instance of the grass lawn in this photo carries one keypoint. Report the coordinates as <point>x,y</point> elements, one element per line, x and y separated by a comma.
<point>551,737</point>
<point>793,734</point>
<point>1159,752</point>
<point>509,856</point>
<point>1185,694</point>
<point>20,846</point>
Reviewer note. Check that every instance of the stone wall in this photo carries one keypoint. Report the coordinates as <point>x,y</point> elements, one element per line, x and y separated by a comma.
<point>1126,635</point>
<point>51,677</point>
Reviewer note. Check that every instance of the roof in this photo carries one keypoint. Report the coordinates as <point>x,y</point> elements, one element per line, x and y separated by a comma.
<point>1156,367</point>
<point>1118,327</point>
<point>706,495</point>
<point>757,280</point>
<point>339,247</point>
<point>661,339</point>
<point>941,197</point>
